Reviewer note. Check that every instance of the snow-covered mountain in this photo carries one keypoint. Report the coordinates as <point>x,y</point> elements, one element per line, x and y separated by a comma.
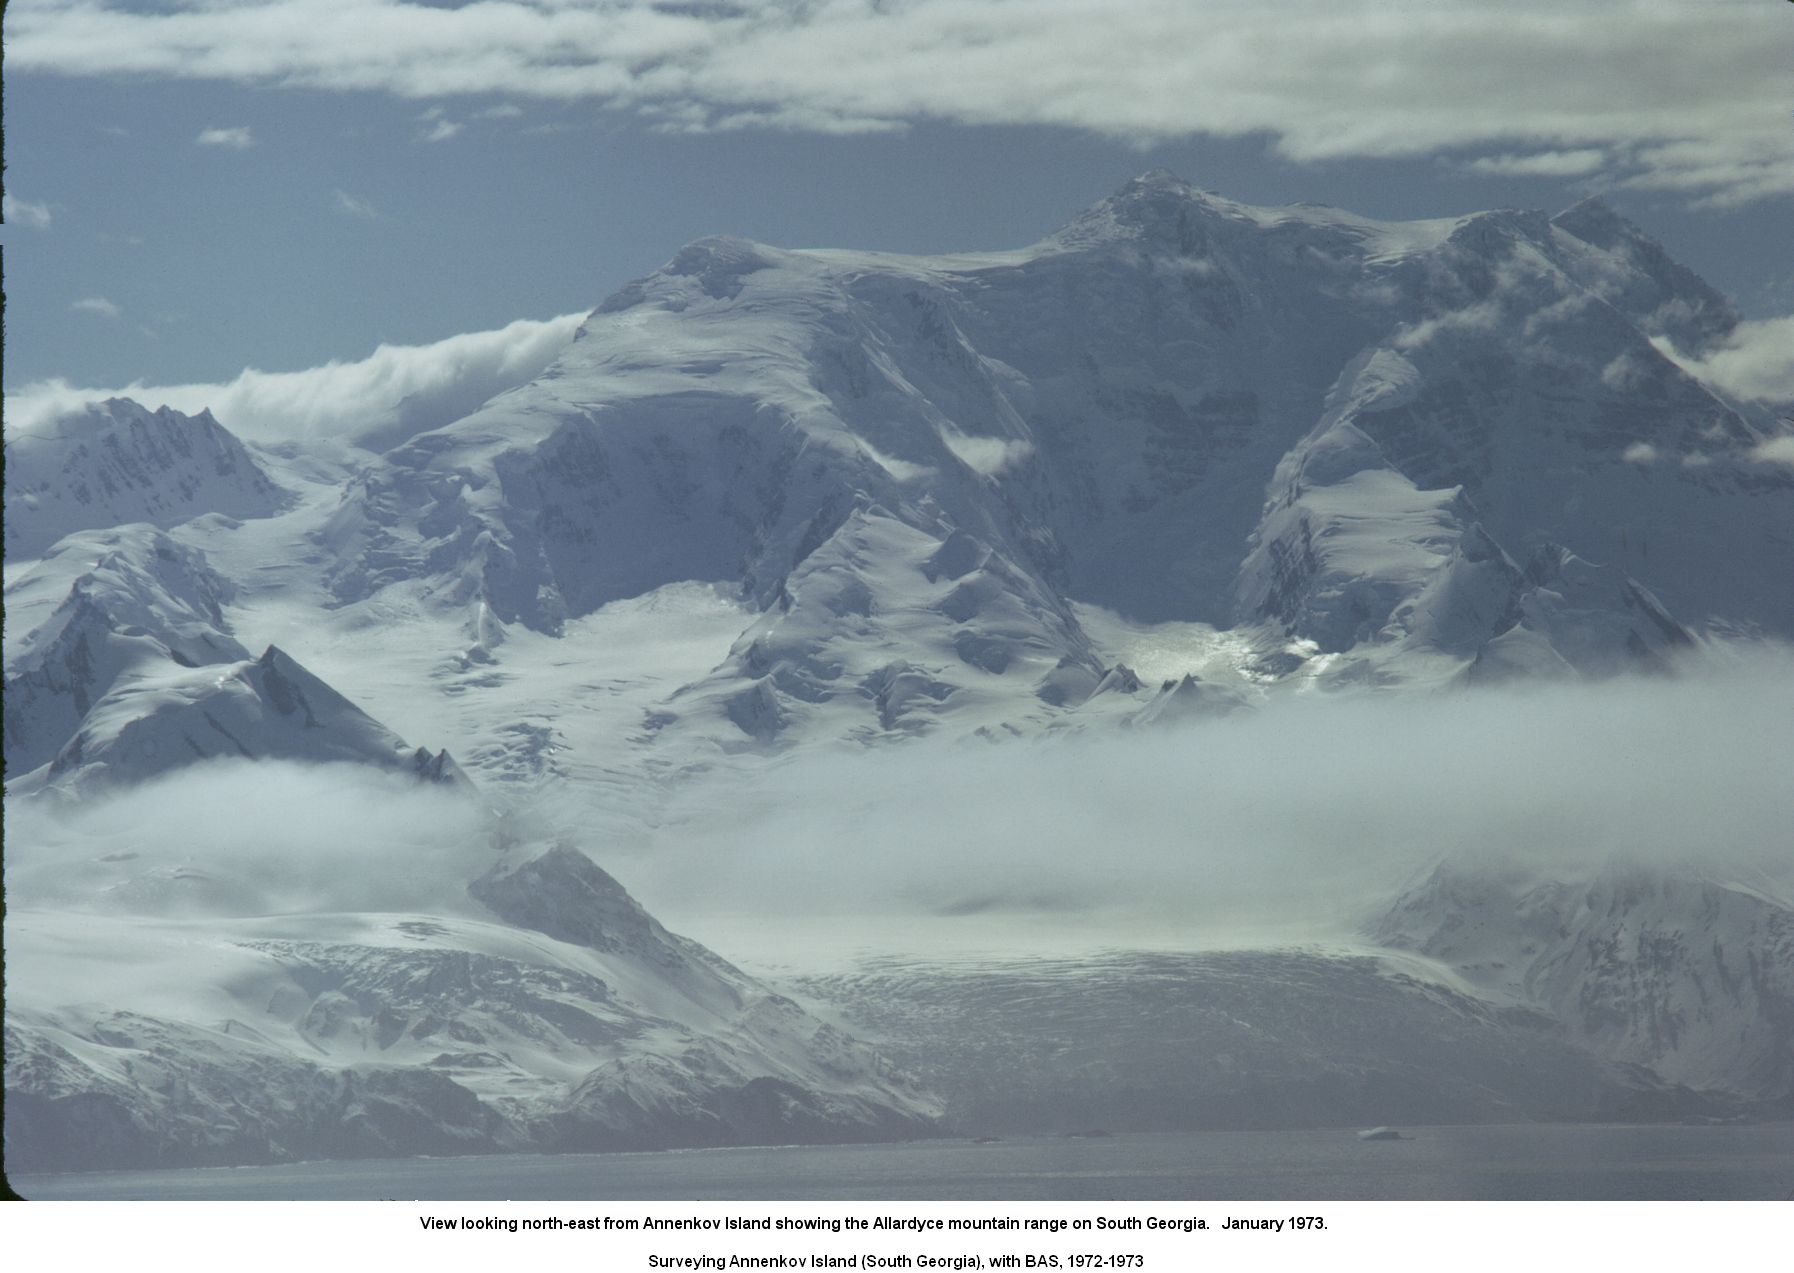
<point>1686,974</point>
<point>1353,438</point>
<point>553,1015</point>
<point>1368,452</point>
<point>134,673</point>
<point>116,462</point>
<point>1178,459</point>
<point>100,605</point>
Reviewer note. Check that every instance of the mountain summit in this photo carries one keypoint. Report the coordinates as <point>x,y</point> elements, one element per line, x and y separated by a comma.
<point>1340,436</point>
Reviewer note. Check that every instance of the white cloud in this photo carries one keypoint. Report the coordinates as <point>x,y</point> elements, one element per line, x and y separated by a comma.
<point>1640,453</point>
<point>987,456</point>
<point>18,212</point>
<point>1550,163</point>
<point>355,205</point>
<point>278,837</point>
<point>1484,316</point>
<point>96,305</point>
<point>1552,86</point>
<point>1249,822</point>
<point>1623,372</point>
<point>1776,451</point>
<point>396,391</point>
<point>229,138</point>
<point>1724,176</point>
<point>1756,361</point>
<point>442,130</point>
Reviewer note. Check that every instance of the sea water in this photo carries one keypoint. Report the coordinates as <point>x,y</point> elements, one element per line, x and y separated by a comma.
<point>1531,1162</point>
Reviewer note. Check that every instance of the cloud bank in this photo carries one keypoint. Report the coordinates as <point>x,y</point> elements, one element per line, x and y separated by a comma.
<point>1290,825</point>
<point>1294,822</point>
<point>246,838</point>
<point>396,391</point>
<point>1681,95</point>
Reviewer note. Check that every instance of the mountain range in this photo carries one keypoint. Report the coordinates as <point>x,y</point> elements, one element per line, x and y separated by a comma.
<point>1180,459</point>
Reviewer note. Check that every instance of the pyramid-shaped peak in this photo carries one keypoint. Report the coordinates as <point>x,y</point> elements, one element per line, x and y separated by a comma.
<point>1659,293</point>
<point>1594,221</point>
<point>566,895</point>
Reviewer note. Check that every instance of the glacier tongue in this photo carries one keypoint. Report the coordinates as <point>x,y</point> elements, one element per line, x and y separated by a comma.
<point>1153,1041</point>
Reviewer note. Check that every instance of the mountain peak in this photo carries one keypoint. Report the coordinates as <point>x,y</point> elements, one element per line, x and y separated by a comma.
<point>1158,191</point>
<point>1594,221</point>
<point>1157,209</point>
<point>115,462</point>
<point>563,893</point>
<point>1659,293</point>
<point>1157,179</point>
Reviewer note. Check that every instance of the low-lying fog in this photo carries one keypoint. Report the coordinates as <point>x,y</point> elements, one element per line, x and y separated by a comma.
<point>1285,825</point>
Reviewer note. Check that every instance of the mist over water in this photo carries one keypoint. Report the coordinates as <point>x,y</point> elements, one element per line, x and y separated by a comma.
<point>1578,1163</point>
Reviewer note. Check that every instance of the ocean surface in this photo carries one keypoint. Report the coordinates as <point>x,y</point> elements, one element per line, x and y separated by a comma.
<point>1531,1162</point>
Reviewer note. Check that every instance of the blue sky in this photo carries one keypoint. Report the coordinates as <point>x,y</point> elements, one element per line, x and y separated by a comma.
<point>197,188</point>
